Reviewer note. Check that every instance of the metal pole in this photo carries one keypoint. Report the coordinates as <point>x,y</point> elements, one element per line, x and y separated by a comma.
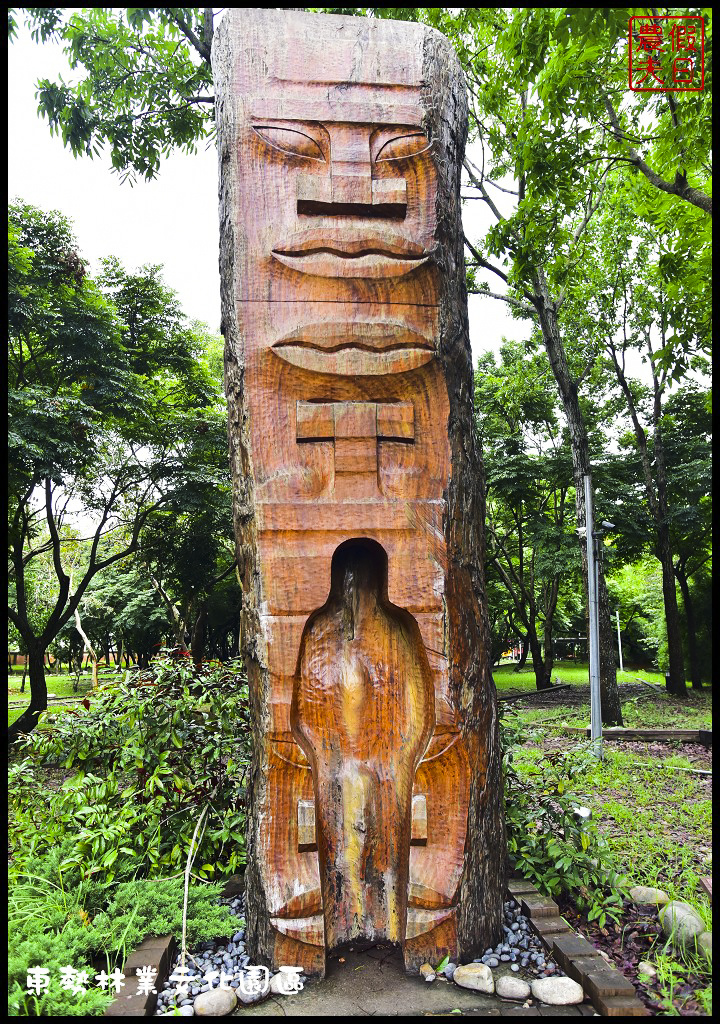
<point>594,645</point>
<point>617,619</point>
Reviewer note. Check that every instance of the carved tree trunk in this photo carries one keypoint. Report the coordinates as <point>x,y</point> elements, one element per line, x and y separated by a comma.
<point>376,790</point>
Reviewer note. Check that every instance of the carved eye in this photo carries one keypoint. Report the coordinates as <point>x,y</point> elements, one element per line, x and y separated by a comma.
<point>403,146</point>
<point>290,141</point>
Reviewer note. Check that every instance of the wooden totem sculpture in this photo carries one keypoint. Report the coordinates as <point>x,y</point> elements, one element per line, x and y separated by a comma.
<point>375,792</point>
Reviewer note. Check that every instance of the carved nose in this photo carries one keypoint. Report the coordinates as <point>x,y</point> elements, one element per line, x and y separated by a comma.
<point>351,186</point>
<point>351,194</point>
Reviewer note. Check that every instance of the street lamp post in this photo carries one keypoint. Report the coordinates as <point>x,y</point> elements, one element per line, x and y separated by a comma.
<point>592,537</point>
<point>594,644</point>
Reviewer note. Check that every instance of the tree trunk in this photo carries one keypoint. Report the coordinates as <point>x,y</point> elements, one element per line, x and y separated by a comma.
<point>524,649</point>
<point>38,693</point>
<point>22,684</point>
<point>90,649</point>
<point>664,549</point>
<point>197,644</point>
<point>550,606</point>
<point>334,449</point>
<point>541,682</point>
<point>547,315</point>
<point>693,653</point>
<point>657,498</point>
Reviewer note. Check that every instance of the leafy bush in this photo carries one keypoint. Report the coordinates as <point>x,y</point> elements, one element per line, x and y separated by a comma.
<point>150,753</point>
<point>88,875</point>
<point>547,842</point>
<point>54,926</point>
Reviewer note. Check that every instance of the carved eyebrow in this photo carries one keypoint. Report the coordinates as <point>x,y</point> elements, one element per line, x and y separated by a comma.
<point>290,141</point>
<point>402,146</point>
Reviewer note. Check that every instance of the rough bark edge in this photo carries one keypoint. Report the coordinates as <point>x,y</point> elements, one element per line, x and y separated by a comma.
<point>259,936</point>
<point>480,904</point>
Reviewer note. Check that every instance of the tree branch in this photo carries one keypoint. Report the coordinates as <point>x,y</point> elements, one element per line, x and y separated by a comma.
<point>202,48</point>
<point>679,187</point>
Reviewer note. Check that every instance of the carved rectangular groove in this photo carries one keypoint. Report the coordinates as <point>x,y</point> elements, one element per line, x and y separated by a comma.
<point>419,832</point>
<point>325,421</point>
<point>307,838</point>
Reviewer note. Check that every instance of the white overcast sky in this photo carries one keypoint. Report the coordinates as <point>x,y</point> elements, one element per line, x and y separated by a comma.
<point>172,220</point>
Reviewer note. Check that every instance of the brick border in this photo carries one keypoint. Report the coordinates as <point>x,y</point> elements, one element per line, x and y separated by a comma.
<point>155,952</point>
<point>158,953</point>
<point>609,991</point>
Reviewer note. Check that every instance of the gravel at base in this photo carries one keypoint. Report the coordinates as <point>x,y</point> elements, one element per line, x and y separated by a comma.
<point>229,957</point>
<point>520,950</point>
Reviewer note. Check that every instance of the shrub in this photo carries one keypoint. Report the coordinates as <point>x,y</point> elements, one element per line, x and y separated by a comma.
<point>55,927</point>
<point>150,753</point>
<point>91,859</point>
<point>547,842</point>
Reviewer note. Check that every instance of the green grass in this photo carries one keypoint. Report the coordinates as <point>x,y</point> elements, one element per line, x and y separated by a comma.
<point>61,685</point>
<point>506,678</point>
<point>657,822</point>
<point>661,712</point>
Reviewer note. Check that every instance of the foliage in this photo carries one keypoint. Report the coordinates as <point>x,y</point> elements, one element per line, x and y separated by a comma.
<point>55,922</point>
<point>531,548</point>
<point>547,842</point>
<point>112,416</point>
<point>635,589</point>
<point>122,607</point>
<point>149,753</point>
<point>146,86</point>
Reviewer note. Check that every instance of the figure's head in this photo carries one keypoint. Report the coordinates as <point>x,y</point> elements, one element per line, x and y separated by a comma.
<point>359,568</point>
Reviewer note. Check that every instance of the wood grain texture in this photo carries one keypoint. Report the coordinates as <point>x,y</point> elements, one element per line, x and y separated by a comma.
<point>375,790</point>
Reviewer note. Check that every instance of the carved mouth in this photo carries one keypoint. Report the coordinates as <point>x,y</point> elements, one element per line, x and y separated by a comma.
<point>352,257</point>
<point>355,349</point>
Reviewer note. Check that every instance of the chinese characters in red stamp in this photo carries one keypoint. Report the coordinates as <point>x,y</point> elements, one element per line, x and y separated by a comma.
<point>666,53</point>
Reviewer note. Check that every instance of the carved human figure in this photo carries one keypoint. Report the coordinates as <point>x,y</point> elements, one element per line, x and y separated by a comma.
<point>363,668</point>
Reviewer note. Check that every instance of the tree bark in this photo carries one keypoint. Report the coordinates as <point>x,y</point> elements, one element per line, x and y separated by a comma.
<point>552,338</point>
<point>693,653</point>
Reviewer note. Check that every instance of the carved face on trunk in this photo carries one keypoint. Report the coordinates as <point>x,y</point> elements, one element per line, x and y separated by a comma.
<point>342,189</point>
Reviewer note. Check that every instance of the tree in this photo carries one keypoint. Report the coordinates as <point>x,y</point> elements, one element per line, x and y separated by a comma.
<point>542,238</point>
<point>551,104</point>
<point>147,85</point>
<point>528,474</point>
<point>687,434</point>
<point>622,305</point>
<point>577,60</point>
<point>106,407</point>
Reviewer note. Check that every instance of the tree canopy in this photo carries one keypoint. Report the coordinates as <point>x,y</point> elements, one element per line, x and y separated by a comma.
<point>113,418</point>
